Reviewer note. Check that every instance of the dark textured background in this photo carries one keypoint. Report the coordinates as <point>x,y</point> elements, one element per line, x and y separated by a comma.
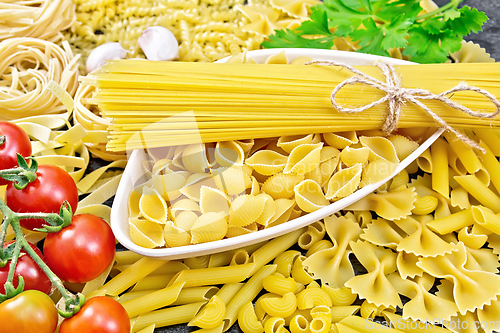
<point>489,39</point>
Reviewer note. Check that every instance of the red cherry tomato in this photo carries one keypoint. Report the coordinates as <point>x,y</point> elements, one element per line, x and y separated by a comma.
<point>46,194</point>
<point>81,251</point>
<point>16,141</point>
<point>34,277</point>
<point>29,312</point>
<point>98,315</point>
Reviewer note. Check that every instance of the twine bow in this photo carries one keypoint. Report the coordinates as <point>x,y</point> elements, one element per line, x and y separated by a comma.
<point>397,96</point>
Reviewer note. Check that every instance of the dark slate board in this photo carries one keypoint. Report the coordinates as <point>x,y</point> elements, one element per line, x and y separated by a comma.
<point>489,38</point>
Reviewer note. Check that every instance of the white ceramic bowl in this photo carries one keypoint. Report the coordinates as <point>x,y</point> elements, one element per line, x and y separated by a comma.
<point>135,175</point>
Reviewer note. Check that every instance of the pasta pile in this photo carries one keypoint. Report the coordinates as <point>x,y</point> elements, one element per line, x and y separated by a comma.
<point>202,193</point>
<point>153,105</point>
<point>207,30</point>
<point>44,19</point>
<point>433,268</point>
<point>27,65</point>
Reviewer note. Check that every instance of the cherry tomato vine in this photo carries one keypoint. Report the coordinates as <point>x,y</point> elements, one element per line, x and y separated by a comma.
<point>10,253</point>
<point>43,198</point>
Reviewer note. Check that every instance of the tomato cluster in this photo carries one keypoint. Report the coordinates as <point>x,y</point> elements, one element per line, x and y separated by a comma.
<point>77,253</point>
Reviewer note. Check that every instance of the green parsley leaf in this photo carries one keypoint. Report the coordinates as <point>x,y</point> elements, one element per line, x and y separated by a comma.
<point>379,26</point>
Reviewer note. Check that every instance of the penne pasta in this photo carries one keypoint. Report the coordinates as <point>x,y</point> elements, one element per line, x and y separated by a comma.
<point>152,301</point>
<point>479,191</point>
<point>246,294</point>
<point>486,218</point>
<point>213,275</point>
<point>168,316</point>
<point>195,295</point>
<point>439,156</point>
<point>132,275</point>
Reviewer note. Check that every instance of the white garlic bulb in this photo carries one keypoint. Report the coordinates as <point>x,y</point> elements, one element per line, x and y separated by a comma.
<point>159,43</point>
<point>107,51</point>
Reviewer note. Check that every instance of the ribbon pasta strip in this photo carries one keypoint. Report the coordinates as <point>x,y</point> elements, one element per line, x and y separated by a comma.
<point>206,192</point>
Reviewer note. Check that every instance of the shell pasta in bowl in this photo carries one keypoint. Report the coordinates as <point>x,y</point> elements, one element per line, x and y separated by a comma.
<point>195,199</point>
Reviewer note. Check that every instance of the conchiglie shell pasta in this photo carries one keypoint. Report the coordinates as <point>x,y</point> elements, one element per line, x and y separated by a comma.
<point>309,196</point>
<point>185,219</point>
<point>169,185</point>
<point>344,182</point>
<point>161,165</point>
<point>284,208</point>
<point>404,146</point>
<point>246,209</point>
<point>350,156</point>
<point>228,153</point>
<point>133,204</point>
<point>328,152</point>
<point>267,162</point>
<point>233,231</point>
<point>246,145</point>
<point>303,158</point>
<point>289,143</point>
<point>184,205</point>
<point>269,210</point>
<point>380,148</point>
<point>255,188</point>
<point>175,236</point>
<point>232,181</point>
<point>376,171</point>
<point>340,140</point>
<point>192,190</point>
<point>278,58</point>
<point>213,200</point>
<point>209,227</point>
<point>315,175</point>
<point>153,207</point>
<point>327,169</point>
<point>146,233</point>
<point>194,158</point>
<point>281,186</point>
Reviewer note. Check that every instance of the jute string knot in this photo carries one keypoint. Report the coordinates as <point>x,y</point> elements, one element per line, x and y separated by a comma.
<point>397,96</point>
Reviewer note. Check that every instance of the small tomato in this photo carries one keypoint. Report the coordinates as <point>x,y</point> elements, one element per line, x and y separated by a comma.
<point>46,194</point>
<point>34,277</point>
<point>29,312</point>
<point>98,314</point>
<point>15,141</point>
<point>81,251</point>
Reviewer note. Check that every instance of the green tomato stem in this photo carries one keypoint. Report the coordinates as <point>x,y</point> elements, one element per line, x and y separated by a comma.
<point>13,263</point>
<point>26,246</point>
<point>7,212</point>
<point>2,139</point>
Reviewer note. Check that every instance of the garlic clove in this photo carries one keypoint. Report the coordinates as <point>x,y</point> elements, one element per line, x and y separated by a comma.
<point>159,43</point>
<point>107,51</point>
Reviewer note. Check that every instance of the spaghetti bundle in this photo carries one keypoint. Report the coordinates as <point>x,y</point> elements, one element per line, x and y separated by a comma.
<point>153,104</point>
